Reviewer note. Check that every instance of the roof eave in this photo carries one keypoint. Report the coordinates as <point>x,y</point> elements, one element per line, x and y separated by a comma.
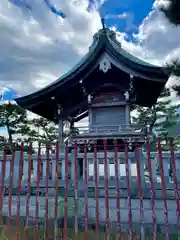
<point>59,82</point>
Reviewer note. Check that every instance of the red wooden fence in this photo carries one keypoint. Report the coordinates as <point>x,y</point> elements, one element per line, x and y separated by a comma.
<point>87,206</point>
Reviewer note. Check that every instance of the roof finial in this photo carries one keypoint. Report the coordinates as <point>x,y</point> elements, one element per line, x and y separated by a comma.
<point>103,22</point>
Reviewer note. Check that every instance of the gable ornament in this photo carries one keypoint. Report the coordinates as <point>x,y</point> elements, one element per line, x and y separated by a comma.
<point>105,65</point>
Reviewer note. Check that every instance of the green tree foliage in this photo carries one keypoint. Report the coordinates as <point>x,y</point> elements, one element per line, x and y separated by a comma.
<point>172,13</point>
<point>14,119</point>
<point>42,130</point>
<point>164,116</point>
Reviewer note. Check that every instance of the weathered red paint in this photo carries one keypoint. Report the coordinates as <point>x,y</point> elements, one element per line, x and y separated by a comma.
<point>152,188</point>
<point>37,191</point>
<point>106,173</point>
<point>19,191</point>
<point>176,192</point>
<point>164,195</point>
<point>66,195</point>
<point>67,184</point>
<point>140,193</point>
<point>96,174</point>
<point>46,193</point>
<point>28,190</point>
<point>76,191</point>
<point>117,190</point>
<point>56,193</point>
<point>86,190</point>
<point>11,187</point>
<point>2,181</point>
<point>128,190</point>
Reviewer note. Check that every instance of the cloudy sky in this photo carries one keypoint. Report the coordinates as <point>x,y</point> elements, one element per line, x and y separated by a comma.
<point>37,46</point>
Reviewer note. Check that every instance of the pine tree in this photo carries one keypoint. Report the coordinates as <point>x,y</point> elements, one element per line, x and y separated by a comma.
<point>14,119</point>
<point>42,130</point>
<point>165,113</point>
<point>172,13</point>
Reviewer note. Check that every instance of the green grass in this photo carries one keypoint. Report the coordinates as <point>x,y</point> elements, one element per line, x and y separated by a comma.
<point>10,234</point>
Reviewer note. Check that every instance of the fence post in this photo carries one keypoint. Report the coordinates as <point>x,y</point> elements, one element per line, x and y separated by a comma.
<point>164,194</point>
<point>128,185</point>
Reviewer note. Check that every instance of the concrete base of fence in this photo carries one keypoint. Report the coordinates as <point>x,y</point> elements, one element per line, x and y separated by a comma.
<point>91,225</point>
<point>92,212</point>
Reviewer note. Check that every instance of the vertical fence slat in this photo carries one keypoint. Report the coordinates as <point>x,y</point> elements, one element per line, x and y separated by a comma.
<point>56,214</point>
<point>75,190</point>
<point>106,174</point>
<point>86,189</point>
<point>66,195</point>
<point>152,190</point>
<point>173,165</point>
<point>117,190</point>
<point>140,190</point>
<point>11,187</point>
<point>47,193</point>
<point>164,195</point>
<point>96,169</point>
<point>28,191</point>
<point>37,190</point>
<point>2,181</point>
<point>21,162</point>
<point>106,170</point>
<point>128,190</point>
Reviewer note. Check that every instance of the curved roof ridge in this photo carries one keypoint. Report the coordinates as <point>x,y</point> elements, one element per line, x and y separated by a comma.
<point>103,40</point>
<point>68,73</point>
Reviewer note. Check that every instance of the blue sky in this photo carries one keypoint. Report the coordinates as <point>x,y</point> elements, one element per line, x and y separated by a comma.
<point>134,13</point>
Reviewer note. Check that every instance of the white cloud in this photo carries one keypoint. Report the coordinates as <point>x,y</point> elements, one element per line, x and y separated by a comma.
<point>157,40</point>
<point>38,47</point>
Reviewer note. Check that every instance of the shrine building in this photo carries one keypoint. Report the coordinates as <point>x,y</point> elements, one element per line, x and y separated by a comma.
<point>104,86</point>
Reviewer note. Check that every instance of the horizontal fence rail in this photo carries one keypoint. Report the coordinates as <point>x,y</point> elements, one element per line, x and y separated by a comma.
<point>119,190</point>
